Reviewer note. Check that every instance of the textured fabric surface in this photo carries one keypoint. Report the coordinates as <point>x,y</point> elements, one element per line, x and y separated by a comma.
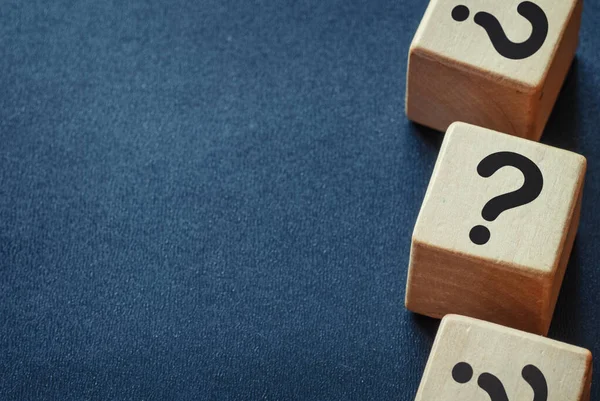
<point>214,200</point>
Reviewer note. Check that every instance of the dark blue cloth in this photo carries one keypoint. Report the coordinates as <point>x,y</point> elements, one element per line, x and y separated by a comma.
<point>214,200</point>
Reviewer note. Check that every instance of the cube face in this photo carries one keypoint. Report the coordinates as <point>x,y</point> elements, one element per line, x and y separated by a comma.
<point>438,95</point>
<point>439,283</point>
<point>469,44</point>
<point>527,237</point>
<point>457,73</point>
<point>513,275</point>
<point>473,360</point>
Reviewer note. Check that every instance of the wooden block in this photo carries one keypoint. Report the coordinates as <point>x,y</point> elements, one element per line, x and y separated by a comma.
<point>472,254</point>
<point>473,360</point>
<point>499,65</point>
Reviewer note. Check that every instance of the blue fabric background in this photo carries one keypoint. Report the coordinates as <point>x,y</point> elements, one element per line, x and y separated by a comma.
<point>214,200</point>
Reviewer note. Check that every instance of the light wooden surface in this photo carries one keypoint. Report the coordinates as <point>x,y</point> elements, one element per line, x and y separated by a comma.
<point>498,355</point>
<point>456,74</point>
<point>513,279</point>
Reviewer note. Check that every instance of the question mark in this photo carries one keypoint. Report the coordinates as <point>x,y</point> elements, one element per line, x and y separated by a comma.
<point>463,372</point>
<point>531,189</point>
<point>514,51</point>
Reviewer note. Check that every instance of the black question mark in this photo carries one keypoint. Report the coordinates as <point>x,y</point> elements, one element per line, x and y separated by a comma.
<point>514,51</point>
<point>531,189</point>
<point>463,372</point>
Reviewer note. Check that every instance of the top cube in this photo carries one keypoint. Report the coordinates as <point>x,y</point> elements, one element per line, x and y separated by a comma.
<point>499,65</point>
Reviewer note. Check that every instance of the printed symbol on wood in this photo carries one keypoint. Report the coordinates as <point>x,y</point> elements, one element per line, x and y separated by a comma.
<point>531,189</point>
<point>463,372</point>
<point>515,51</point>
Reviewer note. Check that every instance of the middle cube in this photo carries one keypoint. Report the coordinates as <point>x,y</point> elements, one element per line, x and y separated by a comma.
<point>496,228</point>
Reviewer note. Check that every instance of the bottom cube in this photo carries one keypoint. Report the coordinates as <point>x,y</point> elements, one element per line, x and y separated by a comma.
<point>474,360</point>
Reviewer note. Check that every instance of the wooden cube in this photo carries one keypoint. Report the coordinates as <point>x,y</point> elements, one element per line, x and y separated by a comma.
<point>499,65</point>
<point>473,360</point>
<point>478,250</point>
